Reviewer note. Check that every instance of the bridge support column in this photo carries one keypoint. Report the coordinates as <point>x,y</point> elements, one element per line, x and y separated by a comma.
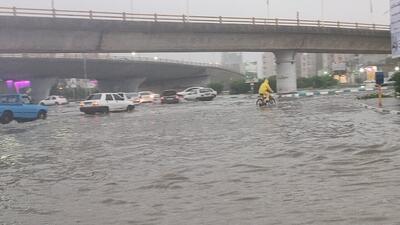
<point>41,88</point>
<point>286,70</point>
<point>120,85</point>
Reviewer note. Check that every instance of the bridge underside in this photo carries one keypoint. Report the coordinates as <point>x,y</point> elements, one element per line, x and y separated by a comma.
<point>113,75</point>
<point>33,34</point>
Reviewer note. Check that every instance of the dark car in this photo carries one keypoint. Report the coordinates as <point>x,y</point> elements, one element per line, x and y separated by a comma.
<point>169,97</point>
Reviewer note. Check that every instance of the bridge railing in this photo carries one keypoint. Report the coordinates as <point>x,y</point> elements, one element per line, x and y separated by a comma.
<point>124,16</point>
<point>111,57</point>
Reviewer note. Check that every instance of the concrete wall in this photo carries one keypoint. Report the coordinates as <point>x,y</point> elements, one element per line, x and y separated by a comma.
<point>19,34</point>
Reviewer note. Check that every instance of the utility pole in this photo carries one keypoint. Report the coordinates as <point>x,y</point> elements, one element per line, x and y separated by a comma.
<point>268,9</point>
<point>52,4</point>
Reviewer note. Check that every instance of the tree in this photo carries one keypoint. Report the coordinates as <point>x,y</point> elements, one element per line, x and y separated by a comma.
<point>396,79</point>
<point>218,87</point>
<point>239,87</point>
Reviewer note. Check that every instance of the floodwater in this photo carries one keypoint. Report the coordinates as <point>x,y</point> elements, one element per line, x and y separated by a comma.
<point>321,160</point>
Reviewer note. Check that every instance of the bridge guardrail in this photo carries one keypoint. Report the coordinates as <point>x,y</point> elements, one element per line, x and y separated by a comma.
<point>124,16</point>
<point>112,57</point>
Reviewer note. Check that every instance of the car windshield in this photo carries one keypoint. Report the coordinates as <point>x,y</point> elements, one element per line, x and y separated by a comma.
<point>145,93</point>
<point>168,93</point>
<point>94,97</point>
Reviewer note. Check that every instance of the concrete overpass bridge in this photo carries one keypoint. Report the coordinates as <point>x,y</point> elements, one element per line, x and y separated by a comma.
<point>44,30</point>
<point>112,73</point>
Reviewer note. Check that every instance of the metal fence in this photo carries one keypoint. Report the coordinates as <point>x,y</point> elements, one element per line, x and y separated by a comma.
<point>123,16</point>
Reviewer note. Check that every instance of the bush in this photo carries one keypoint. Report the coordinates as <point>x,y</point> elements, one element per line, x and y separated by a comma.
<point>218,87</point>
<point>396,79</point>
<point>316,82</point>
<point>239,87</point>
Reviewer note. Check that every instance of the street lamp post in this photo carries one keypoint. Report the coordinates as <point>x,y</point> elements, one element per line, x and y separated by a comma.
<point>268,9</point>
<point>52,4</point>
<point>322,9</point>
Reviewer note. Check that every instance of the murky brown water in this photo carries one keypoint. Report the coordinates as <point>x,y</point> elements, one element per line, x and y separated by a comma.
<point>320,160</point>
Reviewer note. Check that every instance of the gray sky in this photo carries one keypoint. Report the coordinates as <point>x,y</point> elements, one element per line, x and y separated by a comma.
<point>343,10</point>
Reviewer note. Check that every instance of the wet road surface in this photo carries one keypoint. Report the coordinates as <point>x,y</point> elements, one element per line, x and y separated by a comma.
<point>321,160</point>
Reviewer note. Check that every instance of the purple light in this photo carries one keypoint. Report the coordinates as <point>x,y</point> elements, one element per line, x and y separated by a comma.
<point>21,84</point>
<point>10,84</point>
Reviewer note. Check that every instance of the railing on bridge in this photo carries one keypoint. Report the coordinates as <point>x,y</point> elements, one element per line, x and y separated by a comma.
<point>123,16</point>
<point>112,57</point>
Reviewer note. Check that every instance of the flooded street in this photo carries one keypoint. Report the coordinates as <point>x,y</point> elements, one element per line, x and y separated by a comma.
<point>321,160</point>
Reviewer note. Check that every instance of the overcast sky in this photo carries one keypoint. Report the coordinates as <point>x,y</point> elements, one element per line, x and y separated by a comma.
<point>343,10</point>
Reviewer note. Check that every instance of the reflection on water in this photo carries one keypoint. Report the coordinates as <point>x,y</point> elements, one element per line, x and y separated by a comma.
<point>316,160</point>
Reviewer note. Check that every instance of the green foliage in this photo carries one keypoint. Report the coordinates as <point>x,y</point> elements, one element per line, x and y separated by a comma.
<point>218,87</point>
<point>396,79</point>
<point>373,95</point>
<point>316,82</point>
<point>239,87</point>
<point>71,93</point>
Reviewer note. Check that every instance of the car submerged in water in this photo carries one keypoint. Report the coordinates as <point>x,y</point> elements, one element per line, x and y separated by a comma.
<point>19,108</point>
<point>169,97</point>
<point>105,103</point>
<point>202,94</point>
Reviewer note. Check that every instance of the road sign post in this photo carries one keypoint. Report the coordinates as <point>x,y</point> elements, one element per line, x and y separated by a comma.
<point>379,79</point>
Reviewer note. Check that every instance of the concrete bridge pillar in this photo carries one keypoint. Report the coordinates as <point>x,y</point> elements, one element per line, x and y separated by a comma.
<point>120,85</point>
<point>41,88</point>
<point>286,70</point>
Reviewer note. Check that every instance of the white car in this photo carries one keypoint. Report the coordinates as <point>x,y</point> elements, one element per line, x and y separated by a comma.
<point>188,90</point>
<point>148,97</point>
<point>106,102</point>
<point>54,100</point>
<point>202,94</point>
<point>134,97</point>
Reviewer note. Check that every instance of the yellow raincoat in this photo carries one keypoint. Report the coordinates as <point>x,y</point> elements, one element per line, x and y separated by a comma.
<point>265,89</point>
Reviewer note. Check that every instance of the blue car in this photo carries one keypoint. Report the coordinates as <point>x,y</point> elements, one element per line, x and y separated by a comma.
<point>19,108</point>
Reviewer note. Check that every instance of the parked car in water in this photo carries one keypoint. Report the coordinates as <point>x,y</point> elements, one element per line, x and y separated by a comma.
<point>105,103</point>
<point>19,108</point>
<point>188,90</point>
<point>148,97</point>
<point>134,97</point>
<point>54,100</point>
<point>202,94</point>
<point>169,97</point>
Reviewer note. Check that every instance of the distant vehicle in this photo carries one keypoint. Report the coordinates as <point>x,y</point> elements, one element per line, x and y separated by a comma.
<point>188,90</point>
<point>134,97</point>
<point>19,108</point>
<point>169,97</point>
<point>105,103</point>
<point>54,100</point>
<point>148,97</point>
<point>202,94</point>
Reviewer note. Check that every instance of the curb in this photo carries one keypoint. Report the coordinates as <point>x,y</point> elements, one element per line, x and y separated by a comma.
<point>332,92</point>
<point>379,110</point>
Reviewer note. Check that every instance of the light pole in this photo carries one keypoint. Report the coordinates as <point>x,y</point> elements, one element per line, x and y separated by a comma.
<point>322,9</point>
<point>268,9</point>
<point>131,6</point>
<point>187,7</point>
<point>52,4</point>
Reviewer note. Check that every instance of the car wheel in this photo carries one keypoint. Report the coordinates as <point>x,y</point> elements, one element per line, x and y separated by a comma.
<point>42,115</point>
<point>130,108</point>
<point>7,117</point>
<point>106,110</point>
